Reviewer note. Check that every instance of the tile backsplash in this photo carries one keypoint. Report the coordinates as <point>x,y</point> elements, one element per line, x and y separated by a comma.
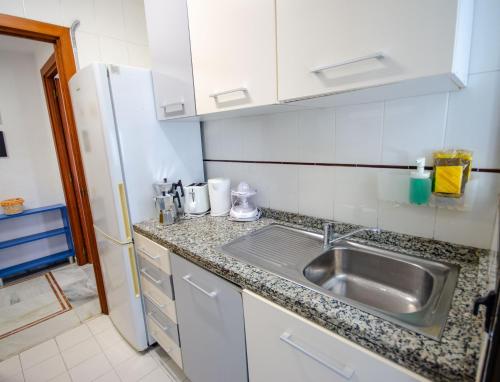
<point>394,132</point>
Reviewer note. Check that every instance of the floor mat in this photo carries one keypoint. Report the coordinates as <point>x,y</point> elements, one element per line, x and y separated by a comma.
<point>30,301</point>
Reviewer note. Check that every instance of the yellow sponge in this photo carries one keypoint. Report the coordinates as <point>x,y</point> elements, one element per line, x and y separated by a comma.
<point>448,179</point>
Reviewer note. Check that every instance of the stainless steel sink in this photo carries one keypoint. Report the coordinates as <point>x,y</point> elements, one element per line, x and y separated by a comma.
<point>410,291</point>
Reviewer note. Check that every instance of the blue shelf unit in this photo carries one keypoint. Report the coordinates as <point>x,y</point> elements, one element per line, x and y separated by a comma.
<point>41,262</point>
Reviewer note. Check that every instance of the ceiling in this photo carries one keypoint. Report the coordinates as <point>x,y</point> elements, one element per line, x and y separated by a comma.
<point>20,45</point>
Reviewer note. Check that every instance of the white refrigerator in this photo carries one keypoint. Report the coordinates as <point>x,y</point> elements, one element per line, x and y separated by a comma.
<point>125,150</point>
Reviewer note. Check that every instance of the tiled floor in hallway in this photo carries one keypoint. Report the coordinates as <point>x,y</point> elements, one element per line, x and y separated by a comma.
<point>93,351</point>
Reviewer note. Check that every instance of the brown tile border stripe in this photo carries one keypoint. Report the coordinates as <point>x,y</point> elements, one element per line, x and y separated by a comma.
<point>386,166</point>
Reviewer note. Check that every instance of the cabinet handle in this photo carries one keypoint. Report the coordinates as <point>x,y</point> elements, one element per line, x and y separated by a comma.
<point>153,301</point>
<point>179,107</point>
<point>187,279</point>
<point>145,273</point>
<point>155,320</point>
<point>344,371</point>
<point>319,69</point>
<point>217,94</point>
<point>148,254</point>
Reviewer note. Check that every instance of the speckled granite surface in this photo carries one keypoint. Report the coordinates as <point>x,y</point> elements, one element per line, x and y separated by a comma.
<point>453,358</point>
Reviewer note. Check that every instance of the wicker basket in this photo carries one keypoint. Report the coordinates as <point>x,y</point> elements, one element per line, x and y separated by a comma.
<point>12,206</point>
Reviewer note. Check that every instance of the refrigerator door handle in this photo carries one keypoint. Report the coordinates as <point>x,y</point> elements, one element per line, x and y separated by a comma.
<point>125,214</point>
<point>111,238</point>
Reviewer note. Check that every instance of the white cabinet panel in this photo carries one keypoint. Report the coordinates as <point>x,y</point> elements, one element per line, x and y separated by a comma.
<point>168,35</point>
<point>234,53</point>
<point>281,346</point>
<point>332,46</point>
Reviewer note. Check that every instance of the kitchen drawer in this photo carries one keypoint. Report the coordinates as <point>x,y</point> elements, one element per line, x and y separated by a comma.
<point>160,299</point>
<point>165,342</point>
<point>162,321</point>
<point>152,252</point>
<point>302,351</point>
<point>157,277</point>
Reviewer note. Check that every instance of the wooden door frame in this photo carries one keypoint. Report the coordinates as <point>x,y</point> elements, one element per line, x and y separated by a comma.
<point>65,138</point>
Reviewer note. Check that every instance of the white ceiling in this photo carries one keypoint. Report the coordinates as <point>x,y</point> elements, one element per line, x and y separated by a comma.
<point>20,45</point>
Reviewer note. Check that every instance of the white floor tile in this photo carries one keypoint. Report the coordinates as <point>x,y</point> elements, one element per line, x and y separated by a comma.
<point>108,338</point>
<point>119,352</point>
<point>61,378</point>
<point>99,324</point>
<point>134,369</point>
<point>81,352</point>
<point>110,376</point>
<point>18,377</point>
<point>39,353</point>
<point>73,337</point>
<point>46,370</point>
<point>158,375</point>
<point>90,369</point>
<point>10,367</point>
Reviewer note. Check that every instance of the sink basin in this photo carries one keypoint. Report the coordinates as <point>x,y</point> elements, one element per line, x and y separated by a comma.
<point>410,291</point>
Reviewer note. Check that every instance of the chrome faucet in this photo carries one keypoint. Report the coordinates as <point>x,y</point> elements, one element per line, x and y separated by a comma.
<point>328,234</point>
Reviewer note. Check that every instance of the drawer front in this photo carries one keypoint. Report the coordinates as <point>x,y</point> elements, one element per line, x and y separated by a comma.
<point>153,313</point>
<point>165,342</point>
<point>152,252</point>
<point>157,277</point>
<point>158,298</point>
<point>310,352</point>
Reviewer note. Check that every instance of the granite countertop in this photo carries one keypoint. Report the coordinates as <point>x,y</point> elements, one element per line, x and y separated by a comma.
<point>454,358</point>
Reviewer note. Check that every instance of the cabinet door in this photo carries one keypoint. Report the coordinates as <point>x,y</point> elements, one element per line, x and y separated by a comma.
<point>281,346</point>
<point>211,324</point>
<point>330,46</point>
<point>233,47</point>
<point>168,36</point>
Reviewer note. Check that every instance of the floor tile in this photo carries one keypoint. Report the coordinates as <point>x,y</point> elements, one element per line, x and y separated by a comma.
<point>39,353</point>
<point>99,324</point>
<point>18,377</point>
<point>46,370</point>
<point>108,338</point>
<point>157,375</point>
<point>9,367</point>
<point>62,378</point>
<point>90,369</point>
<point>119,352</point>
<point>134,369</point>
<point>110,376</point>
<point>81,352</point>
<point>73,337</point>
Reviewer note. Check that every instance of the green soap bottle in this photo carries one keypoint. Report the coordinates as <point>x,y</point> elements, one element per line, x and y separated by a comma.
<point>420,184</point>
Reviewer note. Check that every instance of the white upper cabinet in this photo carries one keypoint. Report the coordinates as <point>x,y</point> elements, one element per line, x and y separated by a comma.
<point>168,34</point>
<point>335,46</point>
<point>233,45</point>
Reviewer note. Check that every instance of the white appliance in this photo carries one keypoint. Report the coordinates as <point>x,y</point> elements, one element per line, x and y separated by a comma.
<point>125,150</point>
<point>243,208</point>
<point>196,199</point>
<point>220,198</point>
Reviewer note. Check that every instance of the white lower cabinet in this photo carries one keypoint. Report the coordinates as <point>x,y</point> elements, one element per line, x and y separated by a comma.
<point>282,346</point>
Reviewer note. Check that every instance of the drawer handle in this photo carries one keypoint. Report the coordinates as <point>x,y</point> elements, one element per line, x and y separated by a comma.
<point>187,279</point>
<point>145,273</point>
<point>319,69</point>
<point>344,371</point>
<point>217,94</point>
<point>154,302</point>
<point>179,107</point>
<point>155,320</point>
<point>148,254</point>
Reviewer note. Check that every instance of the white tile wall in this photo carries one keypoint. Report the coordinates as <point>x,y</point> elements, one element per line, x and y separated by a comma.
<point>394,132</point>
<point>111,31</point>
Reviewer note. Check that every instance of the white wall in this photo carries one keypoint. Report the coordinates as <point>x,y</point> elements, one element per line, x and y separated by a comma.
<point>30,170</point>
<point>394,132</point>
<point>111,31</point>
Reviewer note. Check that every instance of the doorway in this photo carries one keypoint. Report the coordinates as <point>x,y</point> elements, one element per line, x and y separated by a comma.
<point>62,285</point>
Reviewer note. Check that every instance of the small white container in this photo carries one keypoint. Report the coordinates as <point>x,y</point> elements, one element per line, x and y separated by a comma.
<point>219,192</point>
